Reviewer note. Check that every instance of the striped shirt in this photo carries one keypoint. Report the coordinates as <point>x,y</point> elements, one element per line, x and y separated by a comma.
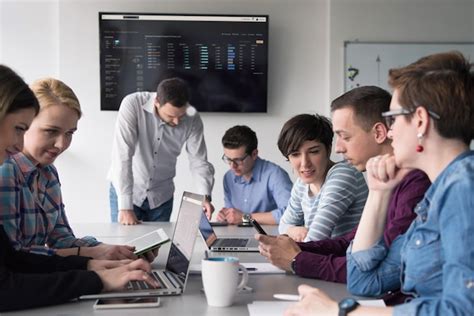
<point>334,211</point>
<point>32,210</point>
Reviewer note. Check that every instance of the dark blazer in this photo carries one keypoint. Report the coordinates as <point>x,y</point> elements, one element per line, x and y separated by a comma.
<point>30,280</point>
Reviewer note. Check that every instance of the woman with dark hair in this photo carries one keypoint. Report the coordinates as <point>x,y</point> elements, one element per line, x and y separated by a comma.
<point>431,125</point>
<point>327,198</point>
<point>29,280</point>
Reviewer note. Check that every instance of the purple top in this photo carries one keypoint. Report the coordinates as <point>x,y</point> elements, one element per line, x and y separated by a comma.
<point>326,259</point>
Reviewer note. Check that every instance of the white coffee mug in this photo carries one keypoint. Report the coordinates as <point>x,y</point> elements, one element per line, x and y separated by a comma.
<point>220,277</point>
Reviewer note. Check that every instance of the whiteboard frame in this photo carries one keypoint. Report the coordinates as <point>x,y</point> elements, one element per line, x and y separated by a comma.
<point>382,82</point>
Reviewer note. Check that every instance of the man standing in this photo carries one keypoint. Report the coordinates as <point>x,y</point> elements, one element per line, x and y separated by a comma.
<point>253,187</point>
<point>361,134</point>
<point>150,132</point>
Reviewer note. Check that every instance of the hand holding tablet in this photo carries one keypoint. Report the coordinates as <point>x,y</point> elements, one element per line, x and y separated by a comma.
<point>148,242</point>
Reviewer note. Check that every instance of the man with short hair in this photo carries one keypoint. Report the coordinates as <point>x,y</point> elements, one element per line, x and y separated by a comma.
<point>150,132</point>
<point>253,187</point>
<point>361,134</point>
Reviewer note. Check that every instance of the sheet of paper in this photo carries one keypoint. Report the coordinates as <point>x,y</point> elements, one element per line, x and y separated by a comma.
<point>376,303</point>
<point>252,268</point>
<point>270,308</point>
<point>261,268</point>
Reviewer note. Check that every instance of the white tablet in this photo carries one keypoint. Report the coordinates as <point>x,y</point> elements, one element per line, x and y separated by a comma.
<point>131,302</point>
<point>149,241</point>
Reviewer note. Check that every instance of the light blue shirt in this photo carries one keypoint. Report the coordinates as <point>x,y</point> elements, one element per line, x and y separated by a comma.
<point>267,190</point>
<point>434,259</point>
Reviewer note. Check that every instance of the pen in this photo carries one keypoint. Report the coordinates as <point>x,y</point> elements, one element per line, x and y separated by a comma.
<point>287,297</point>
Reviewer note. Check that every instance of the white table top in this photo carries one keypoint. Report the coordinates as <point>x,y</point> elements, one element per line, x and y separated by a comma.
<point>193,301</point>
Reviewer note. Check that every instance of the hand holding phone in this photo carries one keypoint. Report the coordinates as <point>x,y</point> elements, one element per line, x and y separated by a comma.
<point>257,226</point>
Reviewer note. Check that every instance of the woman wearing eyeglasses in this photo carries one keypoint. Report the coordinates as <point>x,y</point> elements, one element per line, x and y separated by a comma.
<point>431,117</point>
<point>327,199</point>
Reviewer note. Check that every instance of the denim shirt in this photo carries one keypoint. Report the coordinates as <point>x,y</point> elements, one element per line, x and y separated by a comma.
<point>434,259</point>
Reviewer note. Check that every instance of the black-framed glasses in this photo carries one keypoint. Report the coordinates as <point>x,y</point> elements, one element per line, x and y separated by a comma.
<point>237,161</point>
<point>391,115</point>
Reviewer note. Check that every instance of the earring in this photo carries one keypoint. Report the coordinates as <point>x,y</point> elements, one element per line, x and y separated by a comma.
<point>419,147</point>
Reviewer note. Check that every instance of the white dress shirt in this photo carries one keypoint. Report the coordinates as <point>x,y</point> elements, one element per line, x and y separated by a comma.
<point>145,150</point>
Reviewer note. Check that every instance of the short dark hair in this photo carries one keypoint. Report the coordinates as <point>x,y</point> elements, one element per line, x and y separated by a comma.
<point>368,104</point>
<point>238,136</point>
<point>174,91</point>
<point>305,127</point>
<point>15,95</point>
<point>444,84</point>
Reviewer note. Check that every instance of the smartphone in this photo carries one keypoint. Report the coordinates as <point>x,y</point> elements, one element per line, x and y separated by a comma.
<point>127,302</point>
<point>213,224</point>
<point>149,241</point>
<point>257,226</point>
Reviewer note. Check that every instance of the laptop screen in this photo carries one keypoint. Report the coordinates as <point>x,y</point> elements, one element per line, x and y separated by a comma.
<point>185,232</point>
<point>207,231</point>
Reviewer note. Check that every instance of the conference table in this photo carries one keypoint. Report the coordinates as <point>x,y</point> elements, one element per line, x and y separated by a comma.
<point>193,301</point>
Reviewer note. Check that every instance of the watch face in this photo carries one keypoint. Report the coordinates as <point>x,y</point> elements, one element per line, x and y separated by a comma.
<point>347,303</point>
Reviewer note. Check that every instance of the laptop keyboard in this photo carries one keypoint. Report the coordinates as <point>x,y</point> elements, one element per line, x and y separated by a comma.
<point>142,285</point>
<point>232,242</point>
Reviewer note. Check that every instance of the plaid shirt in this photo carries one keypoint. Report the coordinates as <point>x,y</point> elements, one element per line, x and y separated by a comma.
<point>31,208</point>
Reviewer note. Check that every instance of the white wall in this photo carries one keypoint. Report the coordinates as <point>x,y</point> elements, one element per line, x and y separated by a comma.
<point>60,38</point>
<point>29,37</point>
<point>397,21</point>
<point>298,83</point>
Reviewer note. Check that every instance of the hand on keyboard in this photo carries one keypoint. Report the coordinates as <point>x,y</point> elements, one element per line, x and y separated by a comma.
<point>118,278</point>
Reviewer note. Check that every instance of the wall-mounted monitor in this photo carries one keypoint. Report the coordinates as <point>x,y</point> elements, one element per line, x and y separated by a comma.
<point>224,58</point>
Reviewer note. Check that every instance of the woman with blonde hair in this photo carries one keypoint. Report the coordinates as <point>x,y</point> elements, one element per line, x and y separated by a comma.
<point>30,280</point>
<point>431,125</point>
<point>33,214</point>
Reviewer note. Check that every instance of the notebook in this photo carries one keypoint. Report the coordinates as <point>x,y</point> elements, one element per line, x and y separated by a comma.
<point>237,244</point>
<point>173,278</point>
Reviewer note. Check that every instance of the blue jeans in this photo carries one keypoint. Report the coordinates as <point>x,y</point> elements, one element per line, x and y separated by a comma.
<point>161,213</point>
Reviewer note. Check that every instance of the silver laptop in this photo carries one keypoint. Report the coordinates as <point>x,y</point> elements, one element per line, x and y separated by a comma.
<point>237,244</point>
<point>173,279</point>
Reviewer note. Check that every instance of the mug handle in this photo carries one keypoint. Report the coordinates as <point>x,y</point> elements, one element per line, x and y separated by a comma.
<point>245,278</point>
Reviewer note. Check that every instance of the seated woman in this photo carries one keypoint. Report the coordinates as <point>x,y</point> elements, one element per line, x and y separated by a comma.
<point>33,211</point>
<point>327,198</point>
<point>431,117</point>
<point>29,280</point>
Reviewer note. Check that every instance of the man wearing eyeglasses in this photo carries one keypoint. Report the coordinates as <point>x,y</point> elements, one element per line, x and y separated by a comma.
<point>150,132</point>
<point>362,133</point>
<point>253,187</point>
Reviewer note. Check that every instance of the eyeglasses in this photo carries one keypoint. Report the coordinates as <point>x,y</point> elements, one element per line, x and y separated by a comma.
<point>391,115</point>
<point>237,161</point>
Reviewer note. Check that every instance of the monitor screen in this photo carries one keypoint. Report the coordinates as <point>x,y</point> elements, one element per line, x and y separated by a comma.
<point>222,58</point>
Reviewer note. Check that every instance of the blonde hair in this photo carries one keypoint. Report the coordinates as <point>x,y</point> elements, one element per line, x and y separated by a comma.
<point>50,91</point>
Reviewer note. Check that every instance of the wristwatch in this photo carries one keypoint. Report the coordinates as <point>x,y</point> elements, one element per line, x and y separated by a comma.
<point>208,198</point>
<point>246,218</point>
<point>347,305</point>
<point>293,265</point>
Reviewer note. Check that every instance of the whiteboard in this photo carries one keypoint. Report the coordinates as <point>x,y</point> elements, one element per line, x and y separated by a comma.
<point>367,63</point>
